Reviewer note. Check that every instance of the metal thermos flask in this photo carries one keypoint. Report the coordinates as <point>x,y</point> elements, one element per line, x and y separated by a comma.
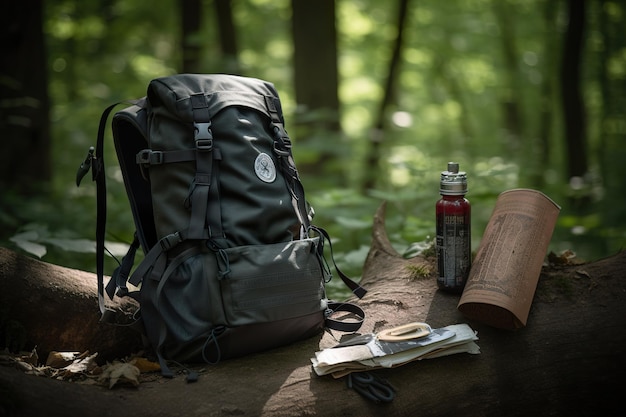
<point>453,230</point>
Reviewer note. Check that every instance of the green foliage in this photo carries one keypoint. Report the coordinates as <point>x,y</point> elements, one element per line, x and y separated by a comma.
<point>453,89</point>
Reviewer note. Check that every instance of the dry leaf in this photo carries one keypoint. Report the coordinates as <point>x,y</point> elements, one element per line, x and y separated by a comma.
<point>82,364</point>
<point>120,373</point>
<point>32,358</point>
<point>61,359</point>
<point>144,365</point>
<point>567,257</point>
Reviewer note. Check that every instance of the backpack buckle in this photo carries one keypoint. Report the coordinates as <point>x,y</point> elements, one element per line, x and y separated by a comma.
<point>203,135</point>
<point>171,240</point>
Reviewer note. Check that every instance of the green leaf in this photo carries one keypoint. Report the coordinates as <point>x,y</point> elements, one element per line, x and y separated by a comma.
<point>350,223</point>
<point>73,245</point>
<point>24,242</point>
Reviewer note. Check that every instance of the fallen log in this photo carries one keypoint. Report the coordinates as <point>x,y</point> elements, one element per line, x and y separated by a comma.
<point>569,360</point>
<point>54,308</point>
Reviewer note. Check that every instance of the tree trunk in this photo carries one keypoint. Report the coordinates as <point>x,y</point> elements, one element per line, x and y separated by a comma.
<point>612,131</point>
<point>513,119</point>
<point>372,166</point>
<point>190,23</point>
<point>227,35</point>
<point>571,95</point>
<point>316,79</point>
<point>24,126</point>
<point>569,360</point>
<point>541,153</point>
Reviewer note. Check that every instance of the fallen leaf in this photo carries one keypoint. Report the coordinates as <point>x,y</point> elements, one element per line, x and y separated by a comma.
<point>144,365</point>
<point>61,359</point>
<point>81,365</point>
<point>120,373</point>
<point>32,358</point>
<point>566,257</point>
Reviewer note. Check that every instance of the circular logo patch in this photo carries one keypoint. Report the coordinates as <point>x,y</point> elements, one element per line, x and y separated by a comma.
<point>264,168</point>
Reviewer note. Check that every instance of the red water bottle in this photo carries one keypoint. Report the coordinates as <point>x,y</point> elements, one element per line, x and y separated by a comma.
<point>453,230</point>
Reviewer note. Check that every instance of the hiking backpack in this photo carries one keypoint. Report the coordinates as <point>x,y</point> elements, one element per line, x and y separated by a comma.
<point>232,264</point>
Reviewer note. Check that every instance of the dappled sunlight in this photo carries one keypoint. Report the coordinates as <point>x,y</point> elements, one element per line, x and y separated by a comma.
<point>475,83</point>
<point>405,162</point>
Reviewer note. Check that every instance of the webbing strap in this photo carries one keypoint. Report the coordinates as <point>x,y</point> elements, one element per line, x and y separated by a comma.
<point>282,149</point>
<point>120,275</point>
<point>354,287</point>
<point>99,177</point>
<point>154,261</point>
<point>150,157</point>
<point>214,209</point>
<point>201,186</point>
<point>344,326</point>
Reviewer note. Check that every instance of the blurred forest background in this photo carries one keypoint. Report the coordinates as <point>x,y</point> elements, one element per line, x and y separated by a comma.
<point>379,96</point>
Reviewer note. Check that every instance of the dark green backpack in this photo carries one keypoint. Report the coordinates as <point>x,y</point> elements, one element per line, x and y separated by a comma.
<point>232,263</point>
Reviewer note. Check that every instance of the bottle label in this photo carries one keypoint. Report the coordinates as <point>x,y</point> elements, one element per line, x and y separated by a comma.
<point>453,250</point>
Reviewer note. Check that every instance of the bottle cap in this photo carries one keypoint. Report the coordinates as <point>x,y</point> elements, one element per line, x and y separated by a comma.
<point>453,182</point>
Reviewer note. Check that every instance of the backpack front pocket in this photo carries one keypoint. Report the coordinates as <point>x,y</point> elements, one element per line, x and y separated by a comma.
<point>262,283</point>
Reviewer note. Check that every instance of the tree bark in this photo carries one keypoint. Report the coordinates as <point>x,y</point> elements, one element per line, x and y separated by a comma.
<point>542,151</point>
<point>227,35</point>
<point>571,94</point>
<point>190,23</point>
<point>316,80</point>
<point>55,308</point>
<point>612,137</point>
<point>569,360</point>
<point>513,118</point>
<point>374,155</point>
<point>24,125</point>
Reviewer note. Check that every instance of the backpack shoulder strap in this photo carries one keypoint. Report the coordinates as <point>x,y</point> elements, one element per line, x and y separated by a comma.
<point>96,163</point>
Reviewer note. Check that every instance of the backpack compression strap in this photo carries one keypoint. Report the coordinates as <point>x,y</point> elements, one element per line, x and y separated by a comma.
<point>282,148</point>
<point>203,194</point>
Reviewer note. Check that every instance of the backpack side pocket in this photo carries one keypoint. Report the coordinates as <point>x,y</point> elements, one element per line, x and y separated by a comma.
<point>182,308</point>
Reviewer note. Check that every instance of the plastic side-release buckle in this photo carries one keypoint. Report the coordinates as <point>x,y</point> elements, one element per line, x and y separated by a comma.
<point>170,241</point>
<point>203,136</point>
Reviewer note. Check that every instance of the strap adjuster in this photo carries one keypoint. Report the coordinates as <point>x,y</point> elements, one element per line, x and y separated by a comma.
<point>170,241</point>
<point>149,157</point>
<point>204,144</point>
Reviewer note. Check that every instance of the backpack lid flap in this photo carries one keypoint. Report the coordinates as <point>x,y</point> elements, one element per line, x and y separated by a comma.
<point>175,92</point>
